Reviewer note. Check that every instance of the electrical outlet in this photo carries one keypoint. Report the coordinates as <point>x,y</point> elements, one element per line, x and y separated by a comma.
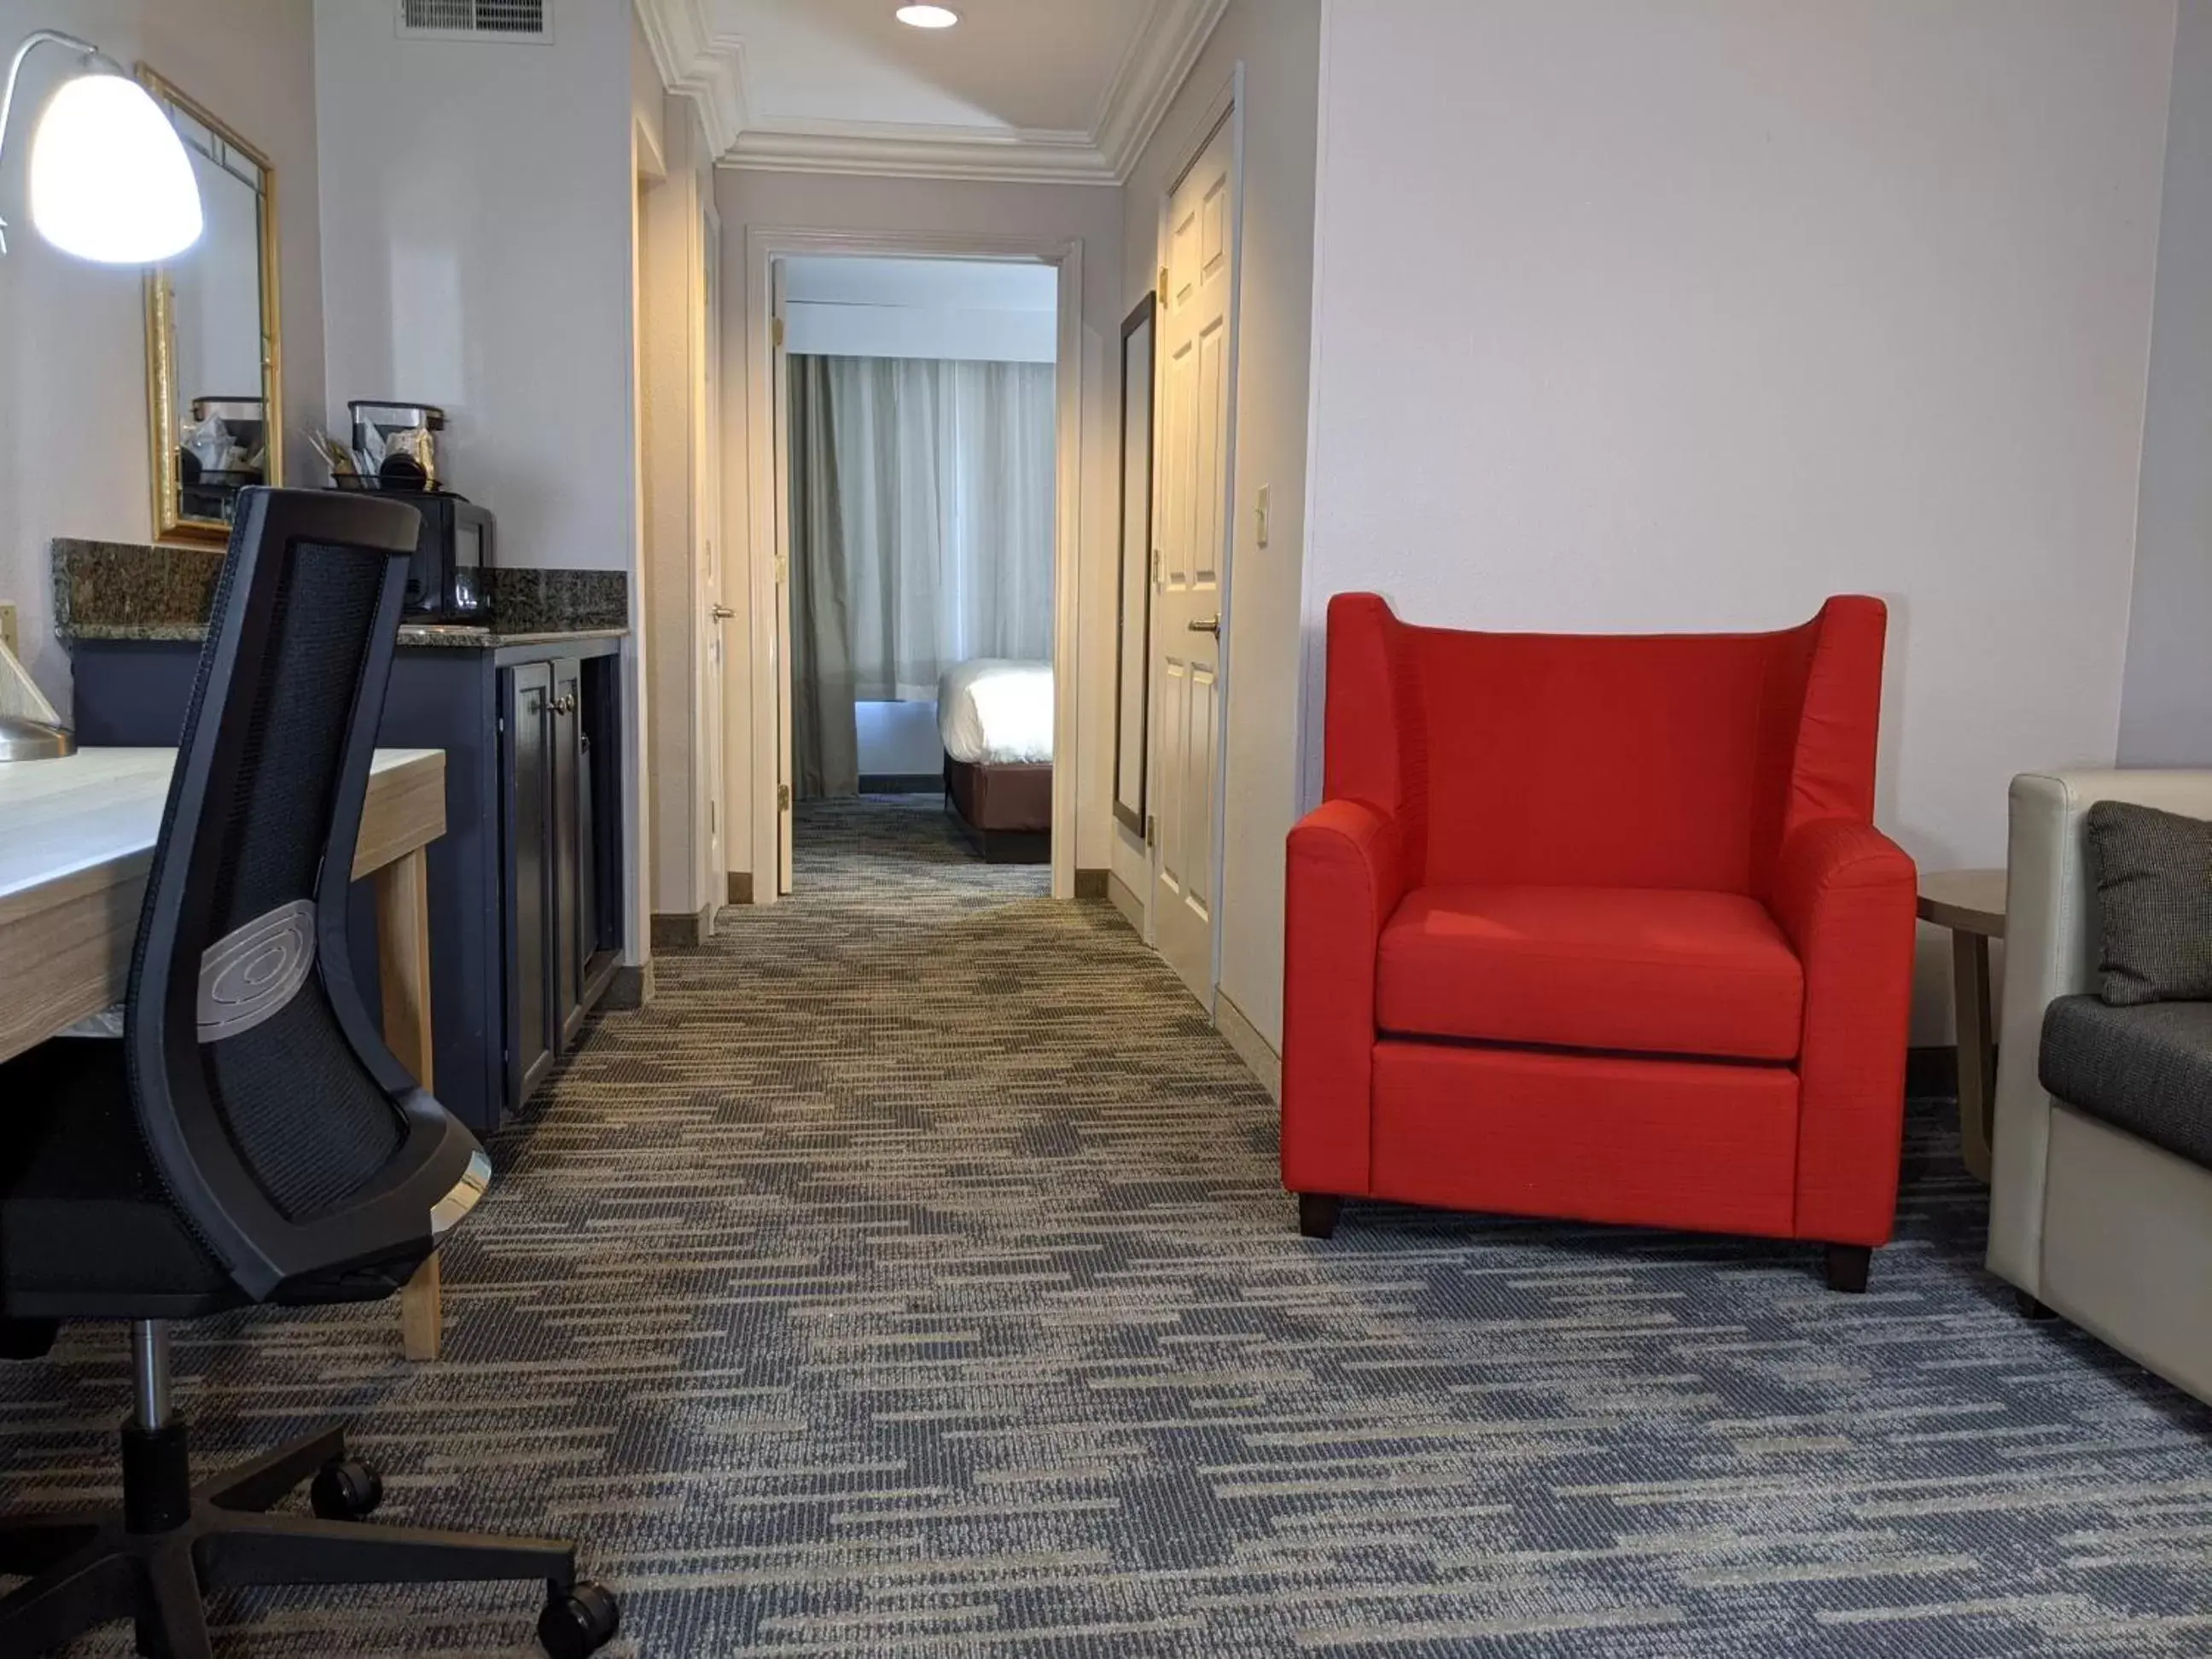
<point>8,636</point>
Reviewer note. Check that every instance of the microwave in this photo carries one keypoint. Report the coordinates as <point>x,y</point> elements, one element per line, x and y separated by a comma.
<point>446,581</point>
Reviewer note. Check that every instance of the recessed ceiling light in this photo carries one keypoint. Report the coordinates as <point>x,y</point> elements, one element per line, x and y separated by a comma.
<point>928,17</point>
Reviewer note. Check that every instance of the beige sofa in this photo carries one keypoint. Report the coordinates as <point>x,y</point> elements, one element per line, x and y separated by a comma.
<point>2088,1221</point>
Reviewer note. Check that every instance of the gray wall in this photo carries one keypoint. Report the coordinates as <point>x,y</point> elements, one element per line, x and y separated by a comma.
<point>2165,705</point>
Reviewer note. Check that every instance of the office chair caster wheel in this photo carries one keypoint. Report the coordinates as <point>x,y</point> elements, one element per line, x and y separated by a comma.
<point>578,1620</point>
<point>346,1489</point>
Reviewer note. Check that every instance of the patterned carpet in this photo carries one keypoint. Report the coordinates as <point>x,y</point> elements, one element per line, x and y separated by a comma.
<point>912,1278</point>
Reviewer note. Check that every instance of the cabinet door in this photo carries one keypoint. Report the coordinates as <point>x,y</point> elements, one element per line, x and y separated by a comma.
<point>568,943</point>
<point>532,1039</point>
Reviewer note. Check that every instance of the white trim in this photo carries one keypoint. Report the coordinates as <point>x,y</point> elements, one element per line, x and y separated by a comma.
<point>987,154</point>
<point>1313,608</point>
<point>766,243</point>
<point>695,63</point>
<point>710,68</point>
<point>1258,1054</point>
<point>1160,60</point>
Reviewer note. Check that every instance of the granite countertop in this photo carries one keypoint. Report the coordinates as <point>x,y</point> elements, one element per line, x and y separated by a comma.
<point>131,590</point>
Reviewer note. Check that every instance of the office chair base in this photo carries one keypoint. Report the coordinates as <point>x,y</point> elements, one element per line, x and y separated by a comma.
<point>174,1541</point>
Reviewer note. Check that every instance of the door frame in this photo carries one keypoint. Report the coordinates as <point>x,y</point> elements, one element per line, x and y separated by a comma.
<point>1227,104</point>
<point>710,697</point>
<point>768,679</point>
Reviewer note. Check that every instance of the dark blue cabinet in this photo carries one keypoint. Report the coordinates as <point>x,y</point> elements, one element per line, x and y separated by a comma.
<point>526,902</point>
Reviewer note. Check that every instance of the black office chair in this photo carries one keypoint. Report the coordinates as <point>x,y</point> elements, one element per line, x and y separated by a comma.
<point>249,1138</point>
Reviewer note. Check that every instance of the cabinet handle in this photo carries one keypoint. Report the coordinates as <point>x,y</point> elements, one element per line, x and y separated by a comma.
<point>565,704</point>
<point>721,613</point>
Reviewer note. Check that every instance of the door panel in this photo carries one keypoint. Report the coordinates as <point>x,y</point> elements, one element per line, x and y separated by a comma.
<point>531,912</point>
<point>570,947</point>
<point>1192,527</point>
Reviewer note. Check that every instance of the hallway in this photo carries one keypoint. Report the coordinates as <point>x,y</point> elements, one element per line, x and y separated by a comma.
<point>912,1277</point>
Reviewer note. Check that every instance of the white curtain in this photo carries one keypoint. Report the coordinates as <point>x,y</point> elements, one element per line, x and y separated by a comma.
<point>944,481</point>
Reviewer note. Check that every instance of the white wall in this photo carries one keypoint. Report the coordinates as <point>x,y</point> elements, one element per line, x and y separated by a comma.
<point>941,309</point>
<point>484,260</point>
<point>74,456</point>
<point>1635,317</point>
<point>898,739</point>
<point>674,345</point>
<point>2165,713</point>
<point>1087,214</point>
<point>941,334</point>
<point>1279,42</point>
<point>480,262</point>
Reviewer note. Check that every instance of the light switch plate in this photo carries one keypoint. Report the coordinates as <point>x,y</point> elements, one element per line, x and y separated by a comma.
<point>8,636</point>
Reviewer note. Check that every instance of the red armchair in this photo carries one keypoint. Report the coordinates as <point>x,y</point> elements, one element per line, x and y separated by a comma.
<point>1600,929</point>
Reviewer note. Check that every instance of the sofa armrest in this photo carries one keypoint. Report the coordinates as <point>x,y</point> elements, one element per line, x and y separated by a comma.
<point>1346,873</point>
<point>2050,951</point>
<point>1845,894</point>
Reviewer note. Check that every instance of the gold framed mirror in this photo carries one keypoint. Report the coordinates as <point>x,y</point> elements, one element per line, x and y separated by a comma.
<point>214,383</point>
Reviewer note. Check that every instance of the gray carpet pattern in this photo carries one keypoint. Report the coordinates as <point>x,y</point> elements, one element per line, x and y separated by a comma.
<point>912,1278</point>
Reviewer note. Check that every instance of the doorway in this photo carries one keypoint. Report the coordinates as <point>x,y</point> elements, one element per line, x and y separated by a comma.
<point>913,455</point>
<point>917,427</point>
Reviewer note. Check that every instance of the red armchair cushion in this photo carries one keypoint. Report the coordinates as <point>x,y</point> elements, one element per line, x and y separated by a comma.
<point>1641,970</point>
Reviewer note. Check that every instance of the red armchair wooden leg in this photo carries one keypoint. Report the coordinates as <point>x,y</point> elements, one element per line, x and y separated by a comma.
<point>1318,1214</point>
<point>1847,1267</point>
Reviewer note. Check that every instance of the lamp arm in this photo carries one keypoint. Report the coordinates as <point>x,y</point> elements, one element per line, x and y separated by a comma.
<point>41,38</point>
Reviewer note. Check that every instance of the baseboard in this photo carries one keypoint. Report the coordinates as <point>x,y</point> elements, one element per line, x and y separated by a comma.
<point>631,987</point>
<point>1251,1047</point>
<point>1131,909</point>
<point>1091,884</point>
<point>1931,1073</point>
<point>901,783</point>
<point>741,887</point>
<point>684,932</point>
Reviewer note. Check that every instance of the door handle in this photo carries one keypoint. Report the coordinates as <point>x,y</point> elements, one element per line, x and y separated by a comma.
<point>721,613</point>
<point>1211,625</point>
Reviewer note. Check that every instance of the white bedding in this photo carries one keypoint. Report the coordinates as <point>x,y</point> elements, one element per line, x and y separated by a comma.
<point>991,710</point>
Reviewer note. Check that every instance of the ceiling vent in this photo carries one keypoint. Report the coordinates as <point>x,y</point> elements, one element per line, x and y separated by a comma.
<point>475,20</point>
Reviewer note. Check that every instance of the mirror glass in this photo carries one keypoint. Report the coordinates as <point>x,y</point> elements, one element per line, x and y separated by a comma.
<point>211,335</point>
<point>1132,664</point>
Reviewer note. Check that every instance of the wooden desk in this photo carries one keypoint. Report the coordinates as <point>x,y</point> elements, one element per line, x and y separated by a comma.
<point>77,840</point>
<point>1972,904</point>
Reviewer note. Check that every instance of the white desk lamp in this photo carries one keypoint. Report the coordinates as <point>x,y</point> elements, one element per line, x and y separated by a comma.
<point>109,181</point>
<point>109,178</point>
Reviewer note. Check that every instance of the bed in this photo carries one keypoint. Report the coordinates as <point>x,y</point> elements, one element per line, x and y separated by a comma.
<point>995,717</point>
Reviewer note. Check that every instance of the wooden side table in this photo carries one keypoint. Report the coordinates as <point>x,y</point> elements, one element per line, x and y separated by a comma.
<point>1972,904</point>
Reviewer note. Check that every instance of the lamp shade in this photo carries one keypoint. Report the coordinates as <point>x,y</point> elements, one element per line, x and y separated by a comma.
<point>109,178</point>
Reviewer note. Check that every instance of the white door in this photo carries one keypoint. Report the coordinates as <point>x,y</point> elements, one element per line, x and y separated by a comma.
<point>713,615</point>
<point>1193,525</point>
<point>780,396</point>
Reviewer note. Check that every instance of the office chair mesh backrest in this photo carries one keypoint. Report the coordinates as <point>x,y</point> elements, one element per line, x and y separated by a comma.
<point>309,1122</point>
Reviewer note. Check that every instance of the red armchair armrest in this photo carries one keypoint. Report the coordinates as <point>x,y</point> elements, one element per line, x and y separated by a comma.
<point>1347,875</point>
<point>1845,894</point>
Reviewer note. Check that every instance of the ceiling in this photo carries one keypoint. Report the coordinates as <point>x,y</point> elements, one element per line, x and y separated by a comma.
<point>1061,90</point>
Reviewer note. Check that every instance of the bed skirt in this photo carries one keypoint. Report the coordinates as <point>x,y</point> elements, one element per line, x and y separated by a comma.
<point>1006,807</point>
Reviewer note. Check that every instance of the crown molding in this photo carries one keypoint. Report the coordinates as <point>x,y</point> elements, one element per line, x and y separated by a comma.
<point>995,154</point>
<point>692,61</point>
<point>1150,73</point>
<point>709,69</point>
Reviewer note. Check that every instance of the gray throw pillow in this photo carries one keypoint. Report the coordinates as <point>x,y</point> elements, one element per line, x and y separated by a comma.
<point>2154,874</point>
